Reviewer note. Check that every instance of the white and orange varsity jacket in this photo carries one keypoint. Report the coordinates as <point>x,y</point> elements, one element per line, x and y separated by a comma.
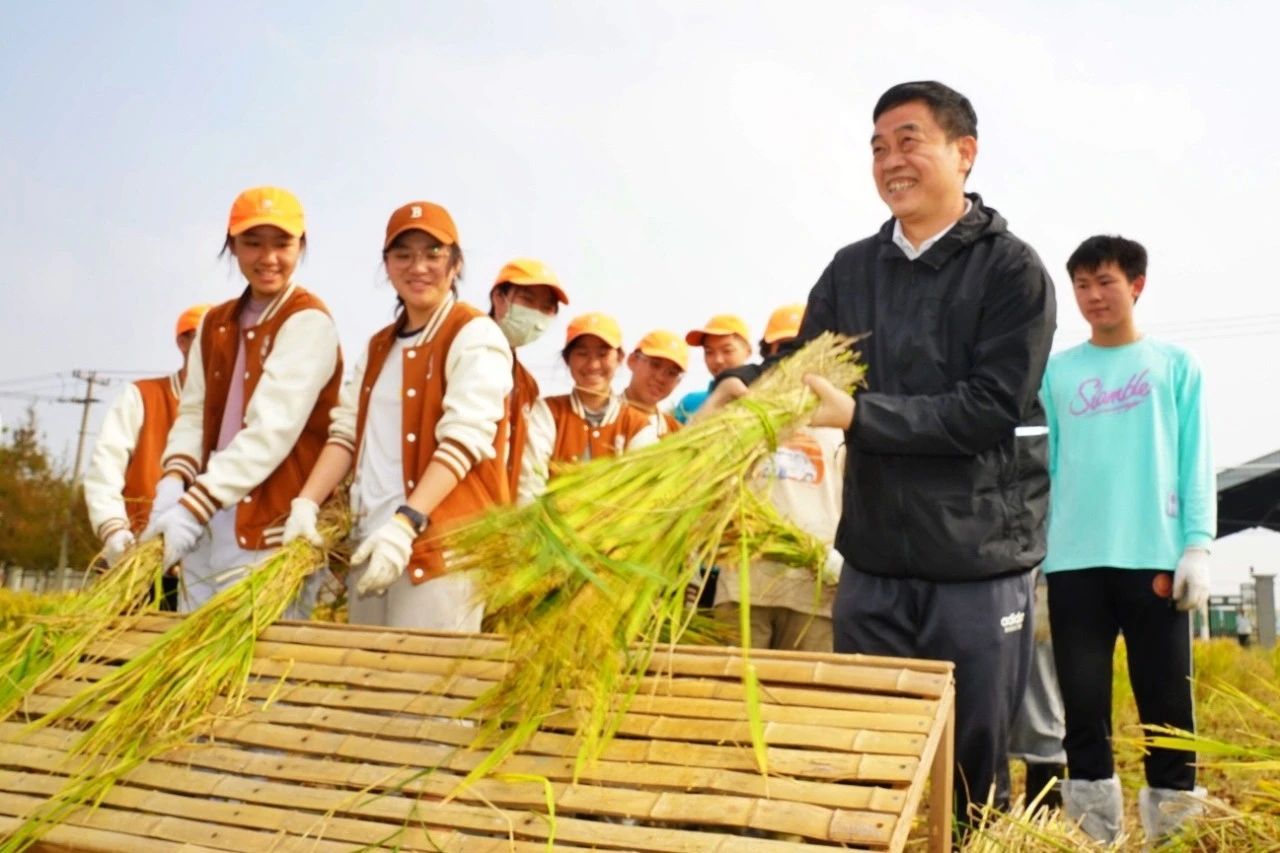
<point>120,482</point>
<point>293,369</point>
<point>560,432</point>
<point>456,375</point>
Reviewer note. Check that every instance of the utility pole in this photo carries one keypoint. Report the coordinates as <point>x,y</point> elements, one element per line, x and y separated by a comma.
<point>90,378</point>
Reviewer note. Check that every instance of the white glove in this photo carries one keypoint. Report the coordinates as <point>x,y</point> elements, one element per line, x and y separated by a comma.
<point>181,531</point>
<point>168,492</point>
<point>115,546</point>
<point>833,567</point>
<point>1191,579</point>
<point>387,551</point>
<point>302,522</point>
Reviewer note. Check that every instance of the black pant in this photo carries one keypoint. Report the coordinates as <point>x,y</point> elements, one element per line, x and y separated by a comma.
<point>1087,609</point>
<point>984,627</point>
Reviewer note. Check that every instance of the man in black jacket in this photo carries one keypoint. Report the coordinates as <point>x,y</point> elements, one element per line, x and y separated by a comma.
<point>946,487</point>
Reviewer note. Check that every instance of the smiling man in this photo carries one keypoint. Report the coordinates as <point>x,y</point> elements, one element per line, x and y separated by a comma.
<point>945,487</point>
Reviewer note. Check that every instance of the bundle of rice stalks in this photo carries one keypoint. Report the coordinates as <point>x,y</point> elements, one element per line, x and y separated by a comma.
<point>589,579</point>
<point>770,536</point>
<point>166,693</point>
<point>46,642</point>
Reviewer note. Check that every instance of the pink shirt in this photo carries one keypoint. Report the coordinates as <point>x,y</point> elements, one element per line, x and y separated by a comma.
<point>233,414</point>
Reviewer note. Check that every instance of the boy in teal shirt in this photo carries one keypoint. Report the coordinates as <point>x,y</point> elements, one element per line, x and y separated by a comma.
<point>1132,511</point>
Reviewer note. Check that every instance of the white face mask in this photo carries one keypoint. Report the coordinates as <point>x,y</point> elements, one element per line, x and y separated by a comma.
<point>523,325</point>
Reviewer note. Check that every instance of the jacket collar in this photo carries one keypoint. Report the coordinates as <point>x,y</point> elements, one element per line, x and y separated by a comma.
<point>433,325</point>
<point>272,307</point>
<point>980,222</point>
<point>611,410</point>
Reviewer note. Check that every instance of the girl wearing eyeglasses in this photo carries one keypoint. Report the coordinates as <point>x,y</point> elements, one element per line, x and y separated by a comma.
<point>422,421</point>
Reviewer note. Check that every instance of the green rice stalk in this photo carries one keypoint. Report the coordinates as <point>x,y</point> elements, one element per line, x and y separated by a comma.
<point>53,636</point>
<point>1252,753</point>
<point>591,578</point>
<point>166,693</point>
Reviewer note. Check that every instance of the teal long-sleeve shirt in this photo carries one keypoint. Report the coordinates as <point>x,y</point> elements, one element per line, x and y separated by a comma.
<point>1131,475</point>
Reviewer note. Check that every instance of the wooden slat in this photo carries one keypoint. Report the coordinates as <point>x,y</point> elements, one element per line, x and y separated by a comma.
<point>73,838</point>
<point>939,728</point>
<point>848,796</point>
<point>467,656</point>
<point>230,804</point>
<point>664,703</point>
<point>851,741</point>
<point>44,751</point>
<point>811,733</point>
<point>466,671</point>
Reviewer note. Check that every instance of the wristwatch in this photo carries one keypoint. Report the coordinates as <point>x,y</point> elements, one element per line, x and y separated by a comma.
<point>416,520</point>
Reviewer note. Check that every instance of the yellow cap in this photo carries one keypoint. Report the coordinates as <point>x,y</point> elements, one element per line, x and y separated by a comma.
<point>784,323</point>
<point>189,320</point>
<point>525,272</point>
<point>266,206</point>
<point>602,326</point>
<point>720,324</point>
<point>663,344</point>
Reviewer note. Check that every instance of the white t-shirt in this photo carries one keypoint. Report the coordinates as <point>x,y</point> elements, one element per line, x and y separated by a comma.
<point>378,487</point>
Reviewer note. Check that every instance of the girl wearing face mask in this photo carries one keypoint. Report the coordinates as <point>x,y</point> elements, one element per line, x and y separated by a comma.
<point>524,300</point>
<point>591,421</point>
<point>263,373</point>
<point>422,421</point>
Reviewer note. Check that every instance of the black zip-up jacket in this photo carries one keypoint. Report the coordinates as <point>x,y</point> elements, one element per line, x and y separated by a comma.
<point>936,485</point>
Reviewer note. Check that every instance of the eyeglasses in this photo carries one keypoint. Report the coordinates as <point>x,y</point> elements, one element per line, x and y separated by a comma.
<point>667,368</point>
<point>404,257</point>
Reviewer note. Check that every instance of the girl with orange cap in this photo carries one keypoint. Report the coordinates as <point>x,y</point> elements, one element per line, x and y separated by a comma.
<point>589,422</point>
<point>120,482</point>
<point>265,371</point>
<point>657,365</point>
<point>423,424</point>
<point>525,297</point>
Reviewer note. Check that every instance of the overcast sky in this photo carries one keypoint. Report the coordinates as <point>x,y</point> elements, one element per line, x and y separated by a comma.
<point>669,160</point>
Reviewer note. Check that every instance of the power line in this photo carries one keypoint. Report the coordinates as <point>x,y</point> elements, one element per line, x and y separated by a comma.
<point>35,397</point>
<point>132,372</point>
<point>27,380</point>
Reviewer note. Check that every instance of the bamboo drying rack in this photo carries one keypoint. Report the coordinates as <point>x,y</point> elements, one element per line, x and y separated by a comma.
<point>335,762</point>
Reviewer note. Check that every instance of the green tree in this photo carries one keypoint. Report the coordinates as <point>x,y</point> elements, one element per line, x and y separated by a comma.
<point>35,495</point>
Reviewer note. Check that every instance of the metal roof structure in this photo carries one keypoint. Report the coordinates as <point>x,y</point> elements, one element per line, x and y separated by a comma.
<point>1249,495</point>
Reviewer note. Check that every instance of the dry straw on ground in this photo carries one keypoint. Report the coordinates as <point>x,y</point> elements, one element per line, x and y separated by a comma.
<point>1238,751</point>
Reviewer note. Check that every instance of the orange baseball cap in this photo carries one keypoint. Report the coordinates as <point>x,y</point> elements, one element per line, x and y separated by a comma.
<point>529,271</point>
<point>663,344</point>
<point>189,320</point>
<point>720,324</point>
<point>266,206</point>
<point>602,326</point>
<point>784,323</point>
<point>422,216</point>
